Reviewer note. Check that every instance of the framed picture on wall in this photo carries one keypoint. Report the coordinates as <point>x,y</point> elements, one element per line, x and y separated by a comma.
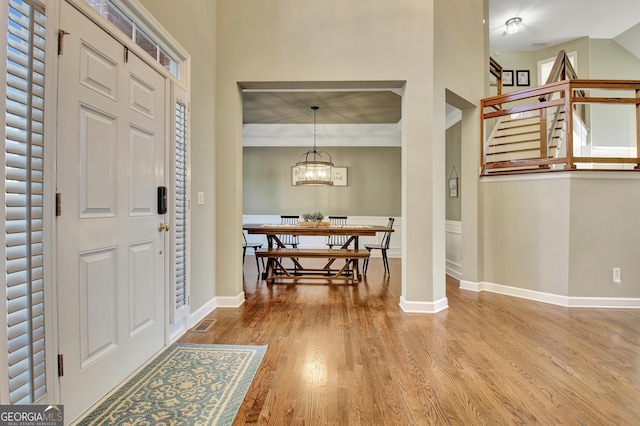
<point>339,176</point>
<point>295,175</point>
<point>522,77</point>
<point>507,77</point>
<point>453,187</point>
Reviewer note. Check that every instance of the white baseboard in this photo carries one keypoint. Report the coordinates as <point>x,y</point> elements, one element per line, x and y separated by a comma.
<point>455,270</point>
<point>230,301</point>
<point>469,285</point>
<point>212,305</point>
<point>423,307</point>
<point>177,330</point>
<point>604,302</point>
<point>201,313</point>
<point>554,299</point>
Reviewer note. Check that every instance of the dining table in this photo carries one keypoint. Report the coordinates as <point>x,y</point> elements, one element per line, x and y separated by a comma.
<point>319,229</point>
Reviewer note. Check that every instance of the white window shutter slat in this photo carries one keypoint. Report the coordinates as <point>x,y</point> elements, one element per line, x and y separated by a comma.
<point>24,165</point>
<point>180,244</point>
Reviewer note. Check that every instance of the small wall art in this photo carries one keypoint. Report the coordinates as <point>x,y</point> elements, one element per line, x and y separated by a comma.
<point>339,176</point>
<point>522,77</point>
<point>507,77</point>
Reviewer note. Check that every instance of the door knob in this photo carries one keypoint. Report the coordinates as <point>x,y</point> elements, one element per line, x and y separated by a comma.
<point>163,227</point>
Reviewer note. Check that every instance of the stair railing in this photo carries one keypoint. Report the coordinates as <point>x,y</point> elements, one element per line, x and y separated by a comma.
<point>495,69</point>
<point>568,93</point>
<point>562,91</point>
<point>554,124</point>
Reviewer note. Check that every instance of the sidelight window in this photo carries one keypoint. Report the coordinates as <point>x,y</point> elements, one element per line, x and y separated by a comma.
<point>23,200</point>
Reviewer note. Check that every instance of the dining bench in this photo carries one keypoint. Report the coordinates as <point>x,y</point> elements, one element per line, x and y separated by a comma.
<point>350,271</point>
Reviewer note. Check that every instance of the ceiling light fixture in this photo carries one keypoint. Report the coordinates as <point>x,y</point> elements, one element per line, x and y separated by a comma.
<point>314,167</point>
<point>512,25</point>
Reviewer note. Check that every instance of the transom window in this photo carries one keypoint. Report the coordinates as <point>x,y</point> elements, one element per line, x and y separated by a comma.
<point>127,25</point>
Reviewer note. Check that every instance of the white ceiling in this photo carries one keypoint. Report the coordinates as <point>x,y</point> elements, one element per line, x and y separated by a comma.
<point>544,23</point>
<point>550,22</point>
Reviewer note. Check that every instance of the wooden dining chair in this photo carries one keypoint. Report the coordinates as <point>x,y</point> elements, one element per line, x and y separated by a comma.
<point>289,240</point>
<point>337,240</point>
<point>383,247</point>
<point>254,246</point>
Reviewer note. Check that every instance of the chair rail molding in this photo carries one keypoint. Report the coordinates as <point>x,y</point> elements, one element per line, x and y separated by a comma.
<point>453,230</point>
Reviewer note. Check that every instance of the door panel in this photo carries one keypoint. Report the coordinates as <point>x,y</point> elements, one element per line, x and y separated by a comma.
<point>97,163</point>
<point>98,72</point>
<point>141,284</point>
<point>141,153</point>
<point>110,253</point>
<point>97,286</point>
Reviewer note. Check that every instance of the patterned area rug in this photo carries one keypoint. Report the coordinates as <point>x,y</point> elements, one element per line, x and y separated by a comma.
<point>187,384</point>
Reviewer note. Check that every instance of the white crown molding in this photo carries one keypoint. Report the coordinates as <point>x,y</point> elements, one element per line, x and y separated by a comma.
<point>370,135</point>
<point>453,117</point>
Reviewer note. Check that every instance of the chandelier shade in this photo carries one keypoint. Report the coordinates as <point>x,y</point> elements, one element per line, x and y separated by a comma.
<point>314,167</point>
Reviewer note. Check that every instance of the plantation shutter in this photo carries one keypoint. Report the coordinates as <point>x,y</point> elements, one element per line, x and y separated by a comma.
<point>24,162</point>
<point>180,212</point>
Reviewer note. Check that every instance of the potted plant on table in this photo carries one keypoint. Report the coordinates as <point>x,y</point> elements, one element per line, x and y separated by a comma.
<point>313,219</point>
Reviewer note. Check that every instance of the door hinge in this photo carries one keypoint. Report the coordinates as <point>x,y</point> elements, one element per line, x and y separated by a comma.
<point>61,34</point>
<point>58,204</point>
<point>126,55</point>
<point>60,365</point>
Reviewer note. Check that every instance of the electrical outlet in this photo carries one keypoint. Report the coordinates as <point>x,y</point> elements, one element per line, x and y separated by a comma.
<point>200,197</point>
<point>616,276</point>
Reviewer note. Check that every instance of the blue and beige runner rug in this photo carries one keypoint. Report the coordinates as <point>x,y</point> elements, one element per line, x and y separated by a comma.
<point>187,384</point>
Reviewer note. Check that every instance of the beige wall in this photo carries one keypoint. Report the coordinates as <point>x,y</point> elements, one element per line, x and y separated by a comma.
<point>356,41</point>
<point>528,60</point>
<point>191,25</point>
<point>563,234</point>
<point>454,160</point>
<point>604,234</point>
<point>526,224</point>
<point>359,42</point>
<point>317,44</point>
<point>613,125</point>
<point>373,183</point>
<point>461,80</point>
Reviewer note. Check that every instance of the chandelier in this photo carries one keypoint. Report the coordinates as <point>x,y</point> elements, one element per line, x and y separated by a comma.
<point>314,167</point>
<point>512,25</point>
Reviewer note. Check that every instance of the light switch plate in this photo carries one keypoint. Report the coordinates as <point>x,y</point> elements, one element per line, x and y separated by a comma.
<point>200,197</point>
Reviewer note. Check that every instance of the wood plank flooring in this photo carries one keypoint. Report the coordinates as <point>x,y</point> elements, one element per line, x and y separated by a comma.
<point>348,355</point>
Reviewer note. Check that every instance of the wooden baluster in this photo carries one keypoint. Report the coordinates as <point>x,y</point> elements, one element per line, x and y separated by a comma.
<point>543,137</point>
<point>483,160</point>
<point>637,167</point>
<point>568,118</point>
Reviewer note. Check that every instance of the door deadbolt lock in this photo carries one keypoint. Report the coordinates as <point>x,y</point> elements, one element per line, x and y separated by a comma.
<point>163,227</point>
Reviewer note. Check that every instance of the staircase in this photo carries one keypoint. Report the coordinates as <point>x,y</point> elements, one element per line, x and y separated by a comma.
<point>517,137</point>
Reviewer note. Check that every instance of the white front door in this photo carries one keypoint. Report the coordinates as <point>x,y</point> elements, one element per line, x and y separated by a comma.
<point>110,161</point>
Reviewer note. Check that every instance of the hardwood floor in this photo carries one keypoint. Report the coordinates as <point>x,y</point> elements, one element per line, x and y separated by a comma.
<point>341,354</point>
